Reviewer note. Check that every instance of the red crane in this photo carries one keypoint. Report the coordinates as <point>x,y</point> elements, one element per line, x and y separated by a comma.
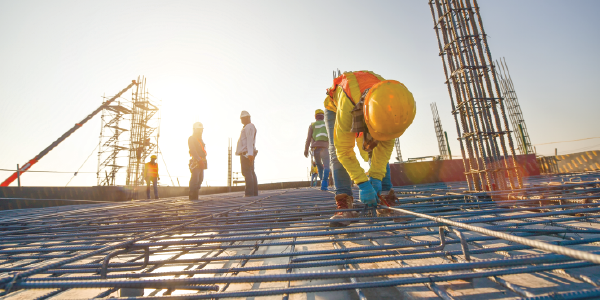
<point>37,158</point>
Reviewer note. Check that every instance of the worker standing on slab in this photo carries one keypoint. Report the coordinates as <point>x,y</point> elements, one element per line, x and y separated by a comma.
<point>318,142</point>
<point>198,161</point>
<point>151,176</point>
<point>365,109</point>
<point>314,173</point>
<point>246,149</point>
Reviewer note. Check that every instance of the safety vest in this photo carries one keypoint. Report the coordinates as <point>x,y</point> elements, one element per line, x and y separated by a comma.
<point>319,131</point>
<point>353,84</point>
<point>151,170</point>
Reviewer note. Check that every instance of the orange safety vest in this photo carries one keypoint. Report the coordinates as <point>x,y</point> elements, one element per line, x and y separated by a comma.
<point>151,170</point>
<point>354,84</point>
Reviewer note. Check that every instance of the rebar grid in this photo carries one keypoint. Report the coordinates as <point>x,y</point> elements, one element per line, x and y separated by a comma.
<point>472,84</point>
<point>280,243</point>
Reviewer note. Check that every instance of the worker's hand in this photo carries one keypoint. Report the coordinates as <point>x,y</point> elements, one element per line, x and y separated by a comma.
<point>376,183</point>
<point>306,153</point>
<point>158,178</point>
<point>367,194</point>
<point>251,158</point>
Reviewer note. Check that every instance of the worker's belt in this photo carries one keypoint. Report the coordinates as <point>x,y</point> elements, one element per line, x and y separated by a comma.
<point>246,152</point>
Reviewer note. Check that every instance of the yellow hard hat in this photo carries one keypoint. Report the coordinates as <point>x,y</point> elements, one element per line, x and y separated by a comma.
<point>153,156</point>
<point>389,109</point>
<point>319,111</point>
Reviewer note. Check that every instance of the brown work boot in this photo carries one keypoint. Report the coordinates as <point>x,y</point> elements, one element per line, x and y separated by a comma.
<point>390,200</point>
<point>341,201</point>
<point>351,205</point>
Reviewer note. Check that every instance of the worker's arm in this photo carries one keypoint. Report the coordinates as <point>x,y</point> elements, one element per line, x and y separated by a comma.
<point>381,157</point>
<point>344,139</point>
<point>250,131</point>
<point>145,172</point>
<point>308,140</point>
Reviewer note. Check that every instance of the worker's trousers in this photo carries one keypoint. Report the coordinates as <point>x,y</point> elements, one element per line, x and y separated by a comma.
<point>249,176</point>
<point>341,179</point>
<point>152,181</point>
<point>196,182</point>
<point>313,179</point>
<point>321,156</point>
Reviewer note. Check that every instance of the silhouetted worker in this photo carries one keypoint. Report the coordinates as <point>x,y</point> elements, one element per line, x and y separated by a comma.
<point>151,176</point>
<point>198,161</point>
<point>318,142</point>
<point>246,149</point>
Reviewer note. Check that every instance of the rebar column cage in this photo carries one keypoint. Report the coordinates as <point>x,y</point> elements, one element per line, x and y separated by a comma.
<point>439,132</point>
<point>144,124</point>
<point>514,108</point>
<point>398,152</point>
<point>477,103</point>
<point>110,144</point>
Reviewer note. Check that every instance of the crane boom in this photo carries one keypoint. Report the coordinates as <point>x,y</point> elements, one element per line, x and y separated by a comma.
<point>37,158</point>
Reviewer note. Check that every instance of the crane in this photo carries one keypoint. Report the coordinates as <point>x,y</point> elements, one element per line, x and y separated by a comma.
<point>37,158</point>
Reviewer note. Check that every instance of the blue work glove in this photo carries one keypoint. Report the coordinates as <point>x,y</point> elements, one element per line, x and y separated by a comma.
<point>376,183</point>
<point>367,194</point>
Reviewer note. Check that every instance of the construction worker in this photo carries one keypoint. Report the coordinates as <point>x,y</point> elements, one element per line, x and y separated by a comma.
<point>314,173</point>
<point>246,149</point>
<point>151,176</point>
<point>365,109</point>
<point>198,161</point>
<point>318,142</point>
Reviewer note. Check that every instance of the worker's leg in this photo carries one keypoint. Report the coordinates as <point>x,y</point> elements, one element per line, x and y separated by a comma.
<point>147,189</point>
<point>255,178</point>
<point>386,182</point>
<point>318,154</point>
<point>341,179</point>
<point>248,173</point>
<point>194,179</point>
<point>155,184</point>
<point>200,178</point>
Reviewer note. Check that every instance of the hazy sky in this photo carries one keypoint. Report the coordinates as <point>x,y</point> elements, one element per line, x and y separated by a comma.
<point>208,60</point>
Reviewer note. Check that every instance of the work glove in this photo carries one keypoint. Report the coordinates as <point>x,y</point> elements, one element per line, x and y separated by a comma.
<point>376,183</point>
<point>367,194</point>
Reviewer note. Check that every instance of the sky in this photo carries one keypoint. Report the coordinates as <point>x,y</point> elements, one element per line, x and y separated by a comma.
<point>209,60</point>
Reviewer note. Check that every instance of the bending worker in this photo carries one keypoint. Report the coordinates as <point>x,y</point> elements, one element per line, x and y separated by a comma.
<point>363,107</point>
<point>318,142</point>
<point>151,176</point>
<point>198,161</point>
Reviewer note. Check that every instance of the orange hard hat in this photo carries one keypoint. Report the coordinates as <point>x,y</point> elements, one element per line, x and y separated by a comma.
<point>389,109</point>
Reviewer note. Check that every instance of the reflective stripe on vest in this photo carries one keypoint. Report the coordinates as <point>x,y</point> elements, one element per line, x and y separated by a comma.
<point>152,170</point>
<point>319,131</point>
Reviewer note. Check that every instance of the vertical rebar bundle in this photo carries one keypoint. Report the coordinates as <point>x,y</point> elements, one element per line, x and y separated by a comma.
<point>229,166</point>
<point>477,103</point>
<point>514,108</point>
<point>439,132</point>
<point>398,153</point>
<point>143,130</point>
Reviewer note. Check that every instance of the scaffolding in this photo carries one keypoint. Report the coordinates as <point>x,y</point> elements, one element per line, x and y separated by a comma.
<point>514,108</point>
<point>144,134</point>
<point>477,103</point>
<point>111,144</point>
<point>439,132</point>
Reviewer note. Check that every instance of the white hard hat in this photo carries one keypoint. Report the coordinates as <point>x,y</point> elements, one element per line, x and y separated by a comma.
<point>198,125</point>
<point>244,114</point>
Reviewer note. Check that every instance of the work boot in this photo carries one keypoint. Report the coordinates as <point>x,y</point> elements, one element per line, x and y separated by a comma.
<point>390,200</point>
<point>341,201</point>
<point>351,205</point>
<point>193,195</point>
